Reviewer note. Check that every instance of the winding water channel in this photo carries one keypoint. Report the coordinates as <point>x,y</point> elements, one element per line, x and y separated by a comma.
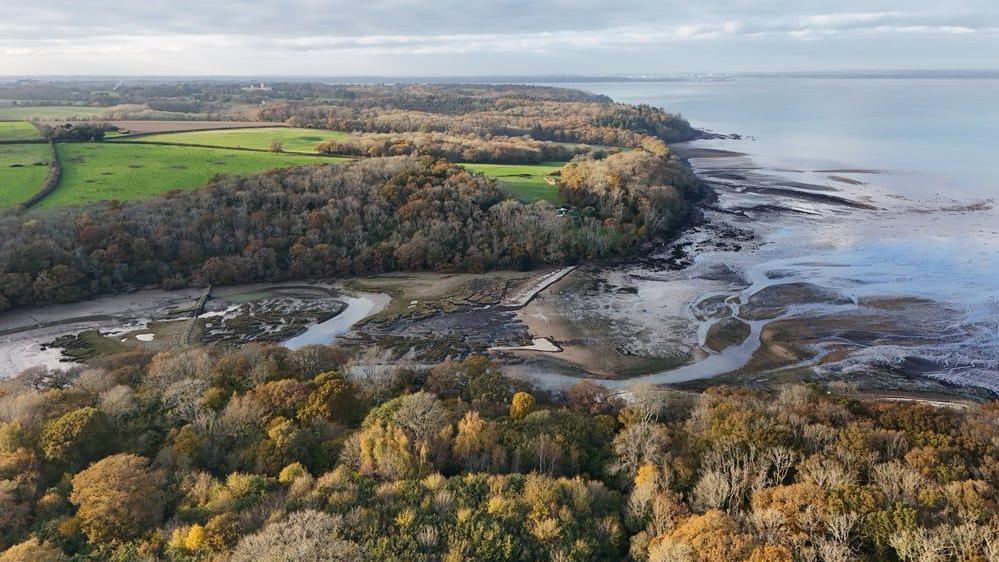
<point>359,306</point>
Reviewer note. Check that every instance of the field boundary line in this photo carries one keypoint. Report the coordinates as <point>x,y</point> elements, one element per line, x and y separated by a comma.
<point>246,128</point>
<point>115,140</point>
<point>51,181</point>
<point>118,140</point>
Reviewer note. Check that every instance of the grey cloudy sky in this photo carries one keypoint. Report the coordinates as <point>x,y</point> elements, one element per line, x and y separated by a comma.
<point>476,37</point>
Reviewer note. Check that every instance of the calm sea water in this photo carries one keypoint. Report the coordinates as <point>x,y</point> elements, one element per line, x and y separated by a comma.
<point>934,147</point>
<point>934,135</point>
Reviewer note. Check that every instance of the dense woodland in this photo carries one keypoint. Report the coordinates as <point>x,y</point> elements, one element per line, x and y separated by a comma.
<point>646,189</point>
<point>457,148</point>
<point>262,453</point>
<point>576,122</point>
<point>542,113</point>
<point>369,216</point>
<point>417,213</point>
<point>546,114</point>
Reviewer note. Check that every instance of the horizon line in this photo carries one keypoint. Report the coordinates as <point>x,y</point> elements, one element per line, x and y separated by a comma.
<point>638,76</point>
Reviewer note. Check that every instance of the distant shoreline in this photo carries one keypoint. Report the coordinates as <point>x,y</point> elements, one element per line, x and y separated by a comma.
<point>903,74</point>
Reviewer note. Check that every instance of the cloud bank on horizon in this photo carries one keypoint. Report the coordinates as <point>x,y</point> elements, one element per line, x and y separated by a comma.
<point>451,37</point>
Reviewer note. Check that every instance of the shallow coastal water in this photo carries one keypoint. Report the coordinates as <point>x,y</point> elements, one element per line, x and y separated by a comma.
<point>928,136</point>
<point>919,154</point>
<point>359,306</point>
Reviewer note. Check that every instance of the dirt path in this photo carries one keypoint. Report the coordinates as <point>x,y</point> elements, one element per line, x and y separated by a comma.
<point>527,293</point>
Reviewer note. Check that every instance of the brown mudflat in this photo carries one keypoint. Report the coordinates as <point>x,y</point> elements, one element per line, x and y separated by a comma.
<point>707,153</point>
<point>844,179</point>
<point>848,171</point>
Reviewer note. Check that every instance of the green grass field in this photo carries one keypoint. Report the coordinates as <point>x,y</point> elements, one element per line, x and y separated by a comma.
<point>126,171</point>
<point>99,171</point>
<point>17,130</point>
<point>293,139</point>
<point>526,182</point>
<point>24,112</point>
<point>23,168</point>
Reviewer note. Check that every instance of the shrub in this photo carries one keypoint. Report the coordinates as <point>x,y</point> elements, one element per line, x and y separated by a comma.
<point>522,405</point>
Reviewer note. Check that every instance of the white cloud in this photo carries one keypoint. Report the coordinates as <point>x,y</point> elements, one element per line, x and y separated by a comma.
<point>848,19</point>
<point>44,36</point>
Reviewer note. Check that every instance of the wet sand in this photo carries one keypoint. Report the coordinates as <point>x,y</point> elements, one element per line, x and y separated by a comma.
<point>816,305</point>
<point>138,319</point>
<point>612,324</point>
<point>26,333</point>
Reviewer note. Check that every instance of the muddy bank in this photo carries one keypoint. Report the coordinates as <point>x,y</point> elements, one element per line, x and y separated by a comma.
<point>27,335</point>
<point>611,323</point>
<point>271,313</point>
<point>423,315</point>
<point>61,336</point>
<point>432,317</point>
<point>814,293</point>
<point>809,195</point>
<point>726,333</point>
<point>694,152</point>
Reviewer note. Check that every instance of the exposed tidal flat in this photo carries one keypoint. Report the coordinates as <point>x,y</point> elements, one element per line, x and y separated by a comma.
<point>845,260</point>
<point>794,300</point>
<point>773,286</point>
<point>57,336</point>
<point>871,205</point>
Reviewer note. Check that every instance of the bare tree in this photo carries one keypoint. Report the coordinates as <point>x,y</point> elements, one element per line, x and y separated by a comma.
<point>305,536</point>
<point>897,480</point>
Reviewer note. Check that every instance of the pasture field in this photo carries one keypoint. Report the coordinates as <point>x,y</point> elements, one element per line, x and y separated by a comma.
<point>25,112</point>
<point>17,130</point>
<point>99,171</point>
<point>23,168</point>
<point>293,139</point>
<point>526,182</point>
